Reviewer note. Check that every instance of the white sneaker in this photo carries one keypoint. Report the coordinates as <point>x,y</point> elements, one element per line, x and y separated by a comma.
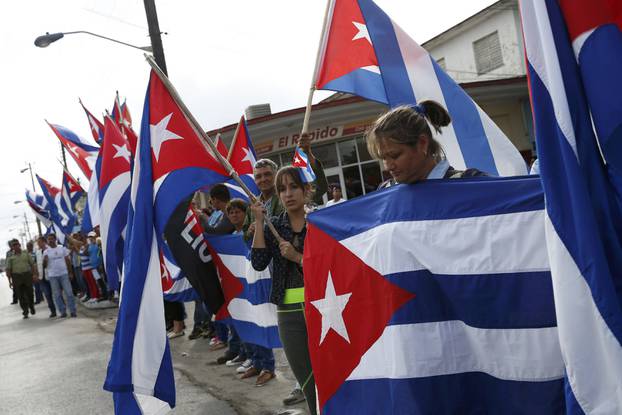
<point>245,365</point>
<point>234,362</point>
<point>173,335</point>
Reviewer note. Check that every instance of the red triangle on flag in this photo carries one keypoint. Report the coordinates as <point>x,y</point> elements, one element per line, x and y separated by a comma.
<point>331,270</point>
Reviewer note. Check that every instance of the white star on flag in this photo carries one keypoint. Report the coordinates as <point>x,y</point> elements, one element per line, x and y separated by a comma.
<point>159,134</point>
<point>362,32</point>
<point>73,149</point>
<point>297,160</point>
<point>249,157</point>
<point>331,308</point>
<point>122,151</point>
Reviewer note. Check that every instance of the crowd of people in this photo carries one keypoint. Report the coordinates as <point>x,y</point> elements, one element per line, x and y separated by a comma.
<point>58,274</point>
<point>402,139</point>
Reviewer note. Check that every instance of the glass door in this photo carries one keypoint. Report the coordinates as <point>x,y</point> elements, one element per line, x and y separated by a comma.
<point>334,175</point>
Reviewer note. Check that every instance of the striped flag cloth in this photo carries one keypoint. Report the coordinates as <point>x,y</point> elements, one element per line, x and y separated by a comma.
<point>583,219</point>
<point>417,308</point>
<point>140,371</point>
<point>363,52</point>
<point>247,291</point>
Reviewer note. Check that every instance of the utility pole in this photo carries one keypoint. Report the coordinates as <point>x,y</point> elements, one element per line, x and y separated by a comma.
<point>32,179</point>
<point>155,34</point>
<point>27,227</point>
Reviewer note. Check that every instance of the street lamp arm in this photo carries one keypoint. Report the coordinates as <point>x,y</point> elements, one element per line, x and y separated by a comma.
<point>45,40</point>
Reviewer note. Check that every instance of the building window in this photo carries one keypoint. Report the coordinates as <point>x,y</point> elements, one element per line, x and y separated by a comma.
<point>488,55</point>
<point>441,63</point>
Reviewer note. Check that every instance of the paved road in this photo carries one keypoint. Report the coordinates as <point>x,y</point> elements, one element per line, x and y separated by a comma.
<point>58,366</point>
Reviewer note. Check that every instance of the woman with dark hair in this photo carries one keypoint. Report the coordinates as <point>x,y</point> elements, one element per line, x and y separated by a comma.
<point>403,140</point>
<point>287,278</point>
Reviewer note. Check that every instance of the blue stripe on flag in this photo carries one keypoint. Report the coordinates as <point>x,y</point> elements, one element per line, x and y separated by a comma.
<point>360,82</point>
<point>448,394</point>
<point>467,123</point>
<point>380,28</point>
<point>490,301</point>
<point>444,199</point>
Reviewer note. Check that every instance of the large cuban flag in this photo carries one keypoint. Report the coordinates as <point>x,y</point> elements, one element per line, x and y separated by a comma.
<point>114,194</point>
<point>242,157</point>
<point>247,291</point>
<point>583,220</point>
<point>83,152</point>
<point>140,371</point>
<point>39,206</point>
<point>434,308</point>
<point>363,52</point>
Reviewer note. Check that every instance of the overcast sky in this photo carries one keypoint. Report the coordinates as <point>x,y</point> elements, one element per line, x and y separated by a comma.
<point>222,56</point>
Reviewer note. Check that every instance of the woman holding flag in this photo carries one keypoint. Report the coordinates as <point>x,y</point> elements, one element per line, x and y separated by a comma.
<point>402,139</point>
<point>285,254</point>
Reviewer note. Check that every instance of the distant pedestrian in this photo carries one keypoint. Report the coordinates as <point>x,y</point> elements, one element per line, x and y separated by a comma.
<point>8,254</point>
<point>20,269</point>
<point>36,284</point>
<point>336,194</point>
<point>58,268</point>
<point>46,288</point>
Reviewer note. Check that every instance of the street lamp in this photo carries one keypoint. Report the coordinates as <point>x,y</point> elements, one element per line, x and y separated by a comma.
<point>45,40</point>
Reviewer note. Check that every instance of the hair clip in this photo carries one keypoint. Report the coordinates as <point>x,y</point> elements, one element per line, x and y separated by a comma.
<point>419,109</point>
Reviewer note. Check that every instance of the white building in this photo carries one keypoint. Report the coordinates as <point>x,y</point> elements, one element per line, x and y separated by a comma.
<point>484,53</point>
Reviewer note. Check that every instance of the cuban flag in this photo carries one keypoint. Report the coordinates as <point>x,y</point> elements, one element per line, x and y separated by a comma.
<point>97,128</point>
<point>62,217</point>
<point>71,191</point>
<point>125,114</point>
<point>247,292</point>
<point>582,220</point>
<point>301,160</point>
<point>417,308</point>
<point>91,217</point>
<point>114,193</point>
<point>595,30</point>
<point>221,146</point>
<point>242,157</point>
<point>84,153</point>
<point>39,206</point>
<point>363,52</point>
<point>140,371</point>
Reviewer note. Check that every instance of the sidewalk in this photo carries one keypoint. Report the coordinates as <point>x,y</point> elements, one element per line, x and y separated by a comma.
<point>194,359</point>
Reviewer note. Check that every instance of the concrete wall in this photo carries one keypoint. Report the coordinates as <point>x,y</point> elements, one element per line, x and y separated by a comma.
<point>458,48</point>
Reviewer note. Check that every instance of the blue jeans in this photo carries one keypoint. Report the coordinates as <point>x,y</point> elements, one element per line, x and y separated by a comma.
<point>222,331</point>
<point>235,344</point>
<point>47,293</point>
<point>262,357</point>
<point>38,294</point>
<point>62,282</point>
<point>200,314</point>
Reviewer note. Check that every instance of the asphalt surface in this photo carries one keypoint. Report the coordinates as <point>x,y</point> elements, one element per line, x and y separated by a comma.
<point>58,366</point>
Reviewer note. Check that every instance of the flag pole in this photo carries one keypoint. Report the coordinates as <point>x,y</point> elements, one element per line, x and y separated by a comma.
<point>318,60</point>
<point>235,137</point>
<point>205,139</point>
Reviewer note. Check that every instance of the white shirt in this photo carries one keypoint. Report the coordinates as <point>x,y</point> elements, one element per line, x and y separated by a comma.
<point>332,202</point>
<point>56,261</point>
<point>39,259</point>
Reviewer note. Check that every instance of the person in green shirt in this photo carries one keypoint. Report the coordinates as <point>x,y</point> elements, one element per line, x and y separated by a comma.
<point>21,271</point>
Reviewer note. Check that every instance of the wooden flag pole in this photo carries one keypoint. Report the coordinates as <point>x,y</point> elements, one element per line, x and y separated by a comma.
<point>318,62</point>
<point>235,137</point>
<point>205,139</point>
